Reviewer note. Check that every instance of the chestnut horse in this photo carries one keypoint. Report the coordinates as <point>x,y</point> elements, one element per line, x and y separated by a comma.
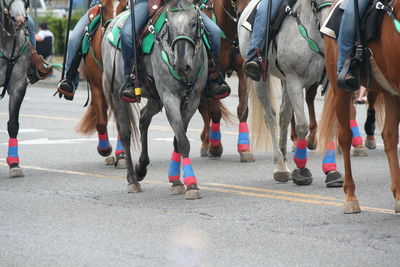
<point>336,114</point>
<point>96,117</point>
<point>226,13</point>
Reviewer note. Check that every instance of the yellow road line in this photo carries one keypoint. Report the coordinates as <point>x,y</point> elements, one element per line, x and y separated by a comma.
<point>273,191</point>
<point>215,187</point>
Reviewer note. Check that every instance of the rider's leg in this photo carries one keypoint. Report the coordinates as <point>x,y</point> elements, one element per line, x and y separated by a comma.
<point>252,63</point>
<point>40,67</point>
<point>347,37</point>
<point>217,85</point>
<point>70,82</point>
<point>126,91</point>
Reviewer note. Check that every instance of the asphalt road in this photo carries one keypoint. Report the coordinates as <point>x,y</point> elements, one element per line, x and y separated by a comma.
<point>72,210</point>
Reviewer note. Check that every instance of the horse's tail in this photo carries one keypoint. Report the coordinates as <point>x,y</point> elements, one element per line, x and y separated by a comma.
<point>326,130</point>
<point>87,124</point>
<point>226,115</point>
<point>379,108</point>
<point>261,137</point>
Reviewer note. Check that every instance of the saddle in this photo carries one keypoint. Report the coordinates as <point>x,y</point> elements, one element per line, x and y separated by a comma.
<point>94,12</point>
<point>370,23</point>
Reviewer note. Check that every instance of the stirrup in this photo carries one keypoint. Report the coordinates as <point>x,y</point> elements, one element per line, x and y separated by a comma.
<point>128,92</point>
<point>346,80</point>
<point>66,88</point>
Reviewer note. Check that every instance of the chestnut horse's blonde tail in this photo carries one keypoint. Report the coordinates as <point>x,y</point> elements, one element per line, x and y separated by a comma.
<point>327,127</point>
<point>261,136</point>
<point>380,110</point>
<point>226,115</point>
<point>88,122</point>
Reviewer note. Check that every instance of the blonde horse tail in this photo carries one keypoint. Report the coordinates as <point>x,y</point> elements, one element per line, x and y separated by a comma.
<point>261,137</point>
<point>226,115</point>
<point>88,122</point>
<point>326,130</point>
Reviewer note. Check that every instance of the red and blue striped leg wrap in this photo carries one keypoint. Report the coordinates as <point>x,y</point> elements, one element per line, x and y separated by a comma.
<point>188,174</point>
<point>120,149</point>
<point>104,144</point>
<point>12,157</point>
<point>174,173</point>
<point>244,138</point>
<point>300,155</point>
<point>357,139</point>
<point>329,161</point>
<point>215,134</point>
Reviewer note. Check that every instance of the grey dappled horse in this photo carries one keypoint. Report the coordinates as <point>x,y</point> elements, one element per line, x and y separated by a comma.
<point>15,58</point>
<point>293,61</point>
<point>180,42</point>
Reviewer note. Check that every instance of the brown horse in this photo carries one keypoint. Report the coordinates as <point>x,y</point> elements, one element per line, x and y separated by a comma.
<point>226,13</point>
<point>385,80</point>
<point>96,117</point>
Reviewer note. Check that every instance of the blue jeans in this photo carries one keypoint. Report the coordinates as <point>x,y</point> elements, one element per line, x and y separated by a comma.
<point>31,31</point>
<point>74,43</point>
<point>260,25</point>
<point>347,32</point>
<point>141,17</point>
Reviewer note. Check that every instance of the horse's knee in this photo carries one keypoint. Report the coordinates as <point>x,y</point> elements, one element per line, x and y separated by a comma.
<point>302,131</point>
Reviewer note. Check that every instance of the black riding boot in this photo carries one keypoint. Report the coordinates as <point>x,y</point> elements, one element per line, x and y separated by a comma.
<point>252,66</point>
<point>66,87</point>
<point>218,88</point>
<point>130,90</point>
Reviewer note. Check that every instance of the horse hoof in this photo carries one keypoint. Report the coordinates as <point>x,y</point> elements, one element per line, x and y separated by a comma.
<point>134,188</point>
<point>334,179</point>
<point>177,190</point>
<point>351,207</point>
<point>282,177</point>
<point>360,152</point>
<point>302,176</point>
<point>140,172</point>
<point>204,151</point>
<point>246,156</point>
<point>121,164</point>
<point>15,172</point>
<point>106,152</point>
<point>215,152</point>
<point>397,207</point>
<point>311,145</point>
<point>110,161</point>
<point>370,144</point>
<point>193,194</point>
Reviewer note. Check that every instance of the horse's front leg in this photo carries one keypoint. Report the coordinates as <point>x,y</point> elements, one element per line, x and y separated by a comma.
<point>16,96</point>
<point>301,175</point>
<point>204,137</point>
<point>369,125</point>
<point>179,121</point>
<point>243,113</point>
<point>390,135</point>
<point>146,114</point>
<point>264,94</point>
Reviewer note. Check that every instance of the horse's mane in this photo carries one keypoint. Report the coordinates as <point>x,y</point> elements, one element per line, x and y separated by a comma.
<point>179,4</point>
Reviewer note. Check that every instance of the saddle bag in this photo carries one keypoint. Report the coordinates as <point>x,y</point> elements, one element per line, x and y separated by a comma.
<point>371,22</point>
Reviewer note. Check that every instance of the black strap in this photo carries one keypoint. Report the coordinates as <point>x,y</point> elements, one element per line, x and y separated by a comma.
<point>10,66</point>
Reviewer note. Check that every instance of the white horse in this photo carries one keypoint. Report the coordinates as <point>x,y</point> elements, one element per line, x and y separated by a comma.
<point>291,59</point>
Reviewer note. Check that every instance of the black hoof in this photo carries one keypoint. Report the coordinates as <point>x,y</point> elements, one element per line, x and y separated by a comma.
<point>106,152</point>
<point>302,176</point>
<point>140,172</point>
<point>334,179</point>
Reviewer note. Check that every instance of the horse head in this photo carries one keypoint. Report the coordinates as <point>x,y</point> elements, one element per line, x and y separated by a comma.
<point>183,33</point>
<point>13,14</point>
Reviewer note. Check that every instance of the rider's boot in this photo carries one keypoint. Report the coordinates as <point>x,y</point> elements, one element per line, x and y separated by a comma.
<point>130,90</point>
<point>347,78</point>
<point>41,69</point>
<point>252,66</point>
<point>66,86</point>
<point>218,88</point>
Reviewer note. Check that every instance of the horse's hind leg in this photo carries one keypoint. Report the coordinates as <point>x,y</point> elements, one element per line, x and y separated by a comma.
<point>311,93</point>
<point>390,135</point>
<point>120,155</point>
<point>243,113</point>
<point>357,141</point>
<point>204,137</point>
<point>215,148</point>
<point>369,125</point>
<point>100,106</point>
<point>301,175</point>
<point>146,114</point>
<point>16,97</point>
